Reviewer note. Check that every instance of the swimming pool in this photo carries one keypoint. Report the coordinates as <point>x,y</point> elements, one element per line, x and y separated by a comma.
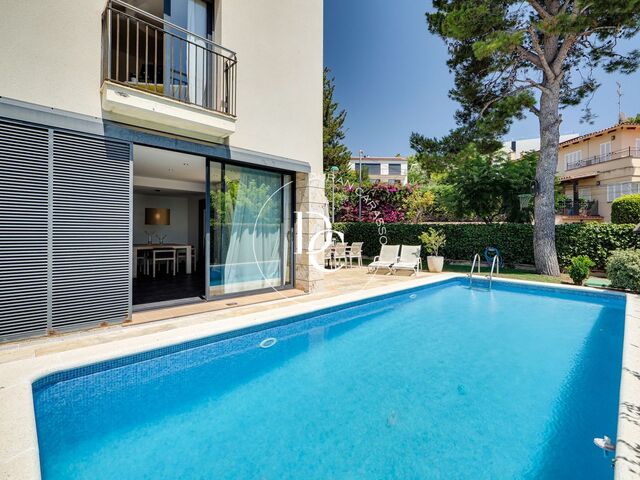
<point>441,381</point>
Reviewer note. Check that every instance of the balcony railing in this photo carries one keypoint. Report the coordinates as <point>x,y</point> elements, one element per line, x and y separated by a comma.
<point>148,53</point>
<point>607,157</point>
<point>581,208</point>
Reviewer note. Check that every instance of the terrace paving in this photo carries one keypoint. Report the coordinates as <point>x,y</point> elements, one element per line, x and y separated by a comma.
<point>342,281</point>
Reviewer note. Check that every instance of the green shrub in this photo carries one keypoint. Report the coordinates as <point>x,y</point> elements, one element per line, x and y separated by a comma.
<point>514,240</point>
<point>626,209</point>
<point>596,240</point>
<point>433,240</point>
<point>580,268</point>
<point>623,269</point>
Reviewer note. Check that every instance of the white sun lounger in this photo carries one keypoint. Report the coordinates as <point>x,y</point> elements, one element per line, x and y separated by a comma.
<point>409,259</point>
<point>388,256</point>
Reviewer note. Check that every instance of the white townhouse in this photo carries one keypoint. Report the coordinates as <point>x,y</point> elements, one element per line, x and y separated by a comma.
<point>154,152</point>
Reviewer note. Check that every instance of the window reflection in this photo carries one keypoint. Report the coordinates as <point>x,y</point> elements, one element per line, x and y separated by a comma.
<point>250,229</point>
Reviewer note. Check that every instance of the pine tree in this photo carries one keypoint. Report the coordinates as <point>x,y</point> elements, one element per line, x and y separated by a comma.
<point>515,56</point>
<point>335,153</point>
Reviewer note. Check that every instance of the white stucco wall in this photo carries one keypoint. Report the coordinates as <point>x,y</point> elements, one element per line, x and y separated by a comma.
<point>279,47</point>
<point>51,56</point>
<point>50,53</point>
<point>178,229</point>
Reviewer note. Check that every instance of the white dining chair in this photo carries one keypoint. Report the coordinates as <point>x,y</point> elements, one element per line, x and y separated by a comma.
<point>182,258</point>
<point>340,253</point>
<point>166,256</point>
<point>355,251</point>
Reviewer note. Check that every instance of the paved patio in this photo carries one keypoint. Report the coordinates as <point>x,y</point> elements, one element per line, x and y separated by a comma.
<point>341,282</point>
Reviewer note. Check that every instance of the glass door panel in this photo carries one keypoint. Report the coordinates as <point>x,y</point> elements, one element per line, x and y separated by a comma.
<point>250,229</point>
<point>188,57</point>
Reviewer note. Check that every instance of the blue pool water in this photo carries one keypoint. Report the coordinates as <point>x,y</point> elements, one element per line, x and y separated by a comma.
<point>245,272</point>
<point>442,382</point>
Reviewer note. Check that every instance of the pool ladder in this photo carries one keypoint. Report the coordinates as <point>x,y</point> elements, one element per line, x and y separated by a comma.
<point>495,267</point>
<point>476,261</point>
<point>495,264</point>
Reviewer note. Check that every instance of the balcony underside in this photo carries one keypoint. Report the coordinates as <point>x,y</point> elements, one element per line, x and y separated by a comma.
<point>138,107</point>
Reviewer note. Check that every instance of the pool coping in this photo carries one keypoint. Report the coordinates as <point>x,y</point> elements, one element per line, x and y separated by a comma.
<point>19,457</point>
<point>627,460</point>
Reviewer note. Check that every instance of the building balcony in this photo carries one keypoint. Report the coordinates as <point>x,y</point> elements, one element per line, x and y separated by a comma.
<point>578,211</point>
<point>607,157</point>
<point>161,75</point>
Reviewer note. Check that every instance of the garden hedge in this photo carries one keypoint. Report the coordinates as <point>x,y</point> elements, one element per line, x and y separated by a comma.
<point>515,240</point>
<point>623,269</point>
<point>626,209</point>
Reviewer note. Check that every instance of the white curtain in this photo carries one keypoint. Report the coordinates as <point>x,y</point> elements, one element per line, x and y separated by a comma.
<point>253,258</point>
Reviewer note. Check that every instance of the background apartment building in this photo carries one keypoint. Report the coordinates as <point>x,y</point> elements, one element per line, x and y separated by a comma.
<point>139,141</point>
<point>597,168</point>
<point>515,148</point>
<point>392,170</point>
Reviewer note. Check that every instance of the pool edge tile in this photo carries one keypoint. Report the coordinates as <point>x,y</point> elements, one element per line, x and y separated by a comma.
<point>627,466</point>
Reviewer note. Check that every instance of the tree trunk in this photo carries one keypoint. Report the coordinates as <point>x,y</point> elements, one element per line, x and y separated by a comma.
<point>544,231</point>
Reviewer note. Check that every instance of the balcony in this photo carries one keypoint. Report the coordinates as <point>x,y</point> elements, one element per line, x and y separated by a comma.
<point>607,157</point>
<point>158,74</point>
<point>581,210</point>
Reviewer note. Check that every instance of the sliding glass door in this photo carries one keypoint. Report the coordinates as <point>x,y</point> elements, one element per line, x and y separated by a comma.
<point>250,232</point>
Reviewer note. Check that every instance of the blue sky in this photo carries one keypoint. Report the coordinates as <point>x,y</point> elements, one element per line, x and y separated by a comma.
<point>392,78</point>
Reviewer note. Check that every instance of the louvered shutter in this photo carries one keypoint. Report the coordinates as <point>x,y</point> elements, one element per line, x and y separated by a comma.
<point>91,230</point>
<point>23,229</point>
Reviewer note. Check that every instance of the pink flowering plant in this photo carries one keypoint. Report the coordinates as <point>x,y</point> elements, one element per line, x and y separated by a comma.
<point>379,201</point>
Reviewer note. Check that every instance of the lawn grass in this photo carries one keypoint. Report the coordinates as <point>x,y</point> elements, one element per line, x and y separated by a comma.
<point>510,273</point>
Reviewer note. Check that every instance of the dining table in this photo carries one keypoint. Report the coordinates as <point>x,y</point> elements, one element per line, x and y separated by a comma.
<point>160,246</point>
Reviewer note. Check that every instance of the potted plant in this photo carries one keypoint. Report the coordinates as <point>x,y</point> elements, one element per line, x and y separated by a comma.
<point>580,269</point>
<point>433,241</point>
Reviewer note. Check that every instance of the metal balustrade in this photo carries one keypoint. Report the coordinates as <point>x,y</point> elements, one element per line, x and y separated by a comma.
<point>606,157</point>
<point>583,208</point>
<point>148,53</point>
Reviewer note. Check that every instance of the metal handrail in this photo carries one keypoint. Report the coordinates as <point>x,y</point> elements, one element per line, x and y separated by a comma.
<point>495,263</point>
<point>168,24</point>
<point>150,57</point>
<point>581,207</point>
<point>606,157</point>
<point>473,264</point>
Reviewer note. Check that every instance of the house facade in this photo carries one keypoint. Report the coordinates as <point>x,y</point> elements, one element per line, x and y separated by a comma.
<point>392,170</point>
<point>595,169</point>
<point>154,152</point>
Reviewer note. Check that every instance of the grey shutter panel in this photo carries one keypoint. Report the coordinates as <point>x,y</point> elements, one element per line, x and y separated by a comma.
<point>91,230</point>
<point>24,153</point>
